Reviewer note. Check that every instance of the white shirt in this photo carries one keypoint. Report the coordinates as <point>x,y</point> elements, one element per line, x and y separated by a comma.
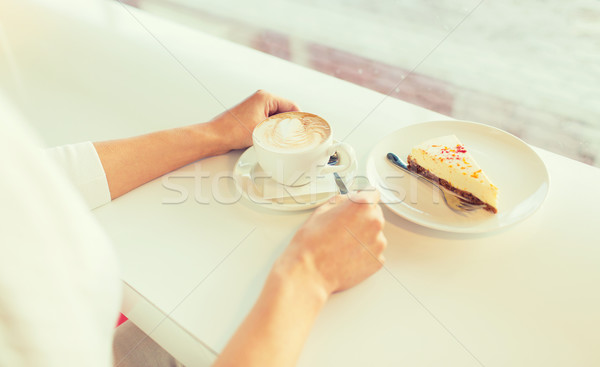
<point>59,286</point>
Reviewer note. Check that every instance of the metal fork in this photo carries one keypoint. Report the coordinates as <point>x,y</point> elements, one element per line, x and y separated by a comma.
<point>455,202</point>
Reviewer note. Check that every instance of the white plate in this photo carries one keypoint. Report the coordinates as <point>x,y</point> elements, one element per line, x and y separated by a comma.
<point>518,172</point>
<point>250,182</point>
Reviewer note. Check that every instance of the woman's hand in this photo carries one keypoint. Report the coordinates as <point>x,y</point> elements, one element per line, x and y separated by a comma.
<point>131,162</point>
<point>341,244</point>
<point>235,125</point>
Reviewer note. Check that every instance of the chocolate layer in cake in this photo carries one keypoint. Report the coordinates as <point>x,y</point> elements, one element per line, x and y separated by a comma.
<point>467,196</point>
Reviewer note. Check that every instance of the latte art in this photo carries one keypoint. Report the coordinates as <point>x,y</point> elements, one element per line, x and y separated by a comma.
<point>293,148</point>
<point>292,131</point>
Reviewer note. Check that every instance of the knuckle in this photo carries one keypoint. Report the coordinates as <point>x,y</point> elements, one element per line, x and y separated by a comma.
<point>376,222</point>
<point>340,198</point>
<point>379,211</point>
<point>379,214</point>
<point>383,242</point>
<point>379,247</point>
<point>361,197</point>
<point>379,223</point>
<point>262,93</point>
<point>379,244</point>
<point>323,208</point>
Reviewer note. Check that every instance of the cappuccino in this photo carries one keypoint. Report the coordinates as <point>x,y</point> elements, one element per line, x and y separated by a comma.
<point>293,148</point>
<point>292,131</point>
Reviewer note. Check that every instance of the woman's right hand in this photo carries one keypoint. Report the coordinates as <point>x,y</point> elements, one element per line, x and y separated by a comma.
<point>341,244</point>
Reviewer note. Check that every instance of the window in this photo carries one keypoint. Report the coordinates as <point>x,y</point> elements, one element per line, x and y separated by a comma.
<point>530,67</point>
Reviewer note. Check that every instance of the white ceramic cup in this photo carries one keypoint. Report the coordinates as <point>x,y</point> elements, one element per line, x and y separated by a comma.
<point>291,163</point>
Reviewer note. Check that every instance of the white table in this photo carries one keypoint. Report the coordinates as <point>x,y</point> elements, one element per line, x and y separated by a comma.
<point>523,296</point>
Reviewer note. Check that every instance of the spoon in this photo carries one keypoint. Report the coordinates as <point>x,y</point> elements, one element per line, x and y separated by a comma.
<point>333,160</point>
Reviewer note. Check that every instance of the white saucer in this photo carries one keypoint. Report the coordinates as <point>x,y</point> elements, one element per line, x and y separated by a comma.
<point>251,182</point>
<point>512,165</point>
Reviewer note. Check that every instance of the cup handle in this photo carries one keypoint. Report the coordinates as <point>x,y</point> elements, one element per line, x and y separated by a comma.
<point>346,156</point>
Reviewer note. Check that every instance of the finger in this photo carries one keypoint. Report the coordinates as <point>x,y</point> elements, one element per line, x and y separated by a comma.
<point>280,105</point>
<point>332,203</point>
<point>377,245</point>
<point>364,197</point>
<point>382,241</point>
<point>379,213</point>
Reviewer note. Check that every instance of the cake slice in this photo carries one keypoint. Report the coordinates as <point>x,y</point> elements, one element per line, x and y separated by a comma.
<point>447,161</point>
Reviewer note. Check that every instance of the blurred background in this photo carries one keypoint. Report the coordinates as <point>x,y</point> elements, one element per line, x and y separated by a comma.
<point>530,67</point>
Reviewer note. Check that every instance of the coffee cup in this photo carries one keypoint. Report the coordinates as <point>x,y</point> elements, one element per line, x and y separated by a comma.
<point>293,148</point>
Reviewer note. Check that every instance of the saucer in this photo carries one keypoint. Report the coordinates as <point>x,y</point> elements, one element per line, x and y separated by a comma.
<point>255,185</point>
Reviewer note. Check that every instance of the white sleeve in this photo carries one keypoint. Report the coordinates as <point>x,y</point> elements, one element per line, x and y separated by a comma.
<point>81,164</point>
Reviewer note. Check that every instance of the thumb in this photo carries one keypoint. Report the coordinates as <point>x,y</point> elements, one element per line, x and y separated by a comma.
<point>279,105</point>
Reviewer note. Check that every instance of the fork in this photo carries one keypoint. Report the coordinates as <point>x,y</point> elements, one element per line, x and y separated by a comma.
<point>455,202</point>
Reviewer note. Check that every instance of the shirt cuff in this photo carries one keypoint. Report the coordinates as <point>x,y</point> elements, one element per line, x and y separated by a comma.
<point>81,163</point>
